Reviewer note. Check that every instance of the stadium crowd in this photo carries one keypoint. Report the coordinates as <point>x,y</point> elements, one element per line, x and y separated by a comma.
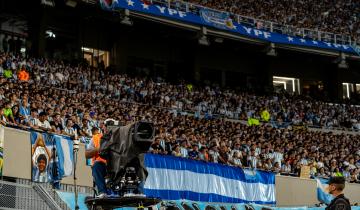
<point>335,16</point>
<point>75,100</point>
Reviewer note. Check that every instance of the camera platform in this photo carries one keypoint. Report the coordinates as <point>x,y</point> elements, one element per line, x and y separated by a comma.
<point>139,202</point>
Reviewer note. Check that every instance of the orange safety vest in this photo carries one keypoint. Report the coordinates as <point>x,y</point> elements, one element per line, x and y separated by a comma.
<point>23,76</point>
<point>97,141</point>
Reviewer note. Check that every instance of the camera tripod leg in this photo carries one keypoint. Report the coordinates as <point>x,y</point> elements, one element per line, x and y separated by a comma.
<point>140,206</point>
<point>75,155</point>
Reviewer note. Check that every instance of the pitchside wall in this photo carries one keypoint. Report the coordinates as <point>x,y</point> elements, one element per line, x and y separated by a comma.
<point>290,191</point>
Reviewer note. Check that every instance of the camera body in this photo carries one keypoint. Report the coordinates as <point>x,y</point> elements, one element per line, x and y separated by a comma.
<point>124,148</point>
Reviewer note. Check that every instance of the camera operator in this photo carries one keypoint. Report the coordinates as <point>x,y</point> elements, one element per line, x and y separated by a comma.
<point>99,164</point>
<point>336,187</point>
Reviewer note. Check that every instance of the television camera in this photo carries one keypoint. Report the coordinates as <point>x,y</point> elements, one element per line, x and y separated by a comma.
<point>124,148</point>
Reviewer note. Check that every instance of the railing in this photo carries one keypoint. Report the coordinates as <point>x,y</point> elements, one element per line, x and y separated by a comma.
<point>302,191</point>
<point>265,24</point>
<point>85,140</point>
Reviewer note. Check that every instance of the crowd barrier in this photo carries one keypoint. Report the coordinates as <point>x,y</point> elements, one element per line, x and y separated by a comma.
<point>290,191</point>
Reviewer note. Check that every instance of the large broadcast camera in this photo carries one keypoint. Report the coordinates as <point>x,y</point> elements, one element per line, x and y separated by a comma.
<point>124,148</point>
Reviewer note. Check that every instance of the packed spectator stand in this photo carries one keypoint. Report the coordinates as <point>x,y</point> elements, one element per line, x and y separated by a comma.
<point>201,123</point>
<point>336,20</point>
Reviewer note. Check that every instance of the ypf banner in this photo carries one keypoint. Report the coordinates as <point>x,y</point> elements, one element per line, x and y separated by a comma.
<point>220,20</point>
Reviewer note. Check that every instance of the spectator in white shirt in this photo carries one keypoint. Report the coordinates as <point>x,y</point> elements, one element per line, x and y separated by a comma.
<point>183,149</point>
<point>214,154</point>
<point>286,168</point>
<point>235,160</point>
<point>252,159</point>
<point>278,156</point>
<point>69,129</point>
<point>42,122</point>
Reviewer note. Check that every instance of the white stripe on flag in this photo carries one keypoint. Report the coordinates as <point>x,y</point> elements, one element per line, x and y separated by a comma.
<point>182,180</point>
<point>68,166</point>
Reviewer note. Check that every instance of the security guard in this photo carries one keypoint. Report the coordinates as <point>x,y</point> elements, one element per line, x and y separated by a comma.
<point>336,187</point>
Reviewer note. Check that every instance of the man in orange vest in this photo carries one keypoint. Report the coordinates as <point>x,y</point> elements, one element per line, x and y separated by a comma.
<point>23,75</point>
<point>99,164</point>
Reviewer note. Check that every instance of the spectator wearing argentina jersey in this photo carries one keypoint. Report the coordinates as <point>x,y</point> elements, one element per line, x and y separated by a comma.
<point>69,129</point>
<point>252,159</point>
<point>214,154</point>
<point>278,156</point>
<point>268,153</point>
<point>25,109</point>
<point>85,129</point>
<point>32,119</point>
<point>304,161</point>
<point>236,148</point>
<point>183,149</point>
<point>235,160</point>
<point>268,164</point>
<point>286,168</point>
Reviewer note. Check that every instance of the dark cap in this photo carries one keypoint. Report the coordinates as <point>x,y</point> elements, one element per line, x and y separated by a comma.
<point>336,180</point>
<point>42,114</point>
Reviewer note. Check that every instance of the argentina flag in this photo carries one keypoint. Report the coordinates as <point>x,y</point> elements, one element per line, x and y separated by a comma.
<point>64,151</point>
<point>322,194</point>
<point>173,178</point>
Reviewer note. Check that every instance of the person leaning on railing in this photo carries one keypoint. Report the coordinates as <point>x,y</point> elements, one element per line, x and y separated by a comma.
<point>8,113</point>
<point>42,122</point>
<point>3,119</point>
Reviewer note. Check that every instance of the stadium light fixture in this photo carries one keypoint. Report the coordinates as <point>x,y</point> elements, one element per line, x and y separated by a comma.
<point>203,39</point>
<point>270,50</point>
<point>294,82</point>
<point>50,34</point>
<point>71,3</point>
<point>347,85</point>
<point>343,65</point>
<point>49,3</point>
<point>219,40</point>
<point>281,82</point>
<point>125,18</point>
<point>341,60</point>
<point>287,78</point>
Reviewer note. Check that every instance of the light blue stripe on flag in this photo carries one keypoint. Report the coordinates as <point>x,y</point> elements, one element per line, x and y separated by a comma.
<point>174,178</point>
<point>176,163</point>
<point>64,150</point>
<point>322,194</point>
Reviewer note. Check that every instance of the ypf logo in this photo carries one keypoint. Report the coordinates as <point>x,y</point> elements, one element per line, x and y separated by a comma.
<point>108,4</point>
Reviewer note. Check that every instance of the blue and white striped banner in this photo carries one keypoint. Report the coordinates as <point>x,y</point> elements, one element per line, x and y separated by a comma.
<point>173,178</point>
<point>64,150</point>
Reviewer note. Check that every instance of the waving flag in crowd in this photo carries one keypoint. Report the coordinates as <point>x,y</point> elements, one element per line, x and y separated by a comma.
<point>322,192</point>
